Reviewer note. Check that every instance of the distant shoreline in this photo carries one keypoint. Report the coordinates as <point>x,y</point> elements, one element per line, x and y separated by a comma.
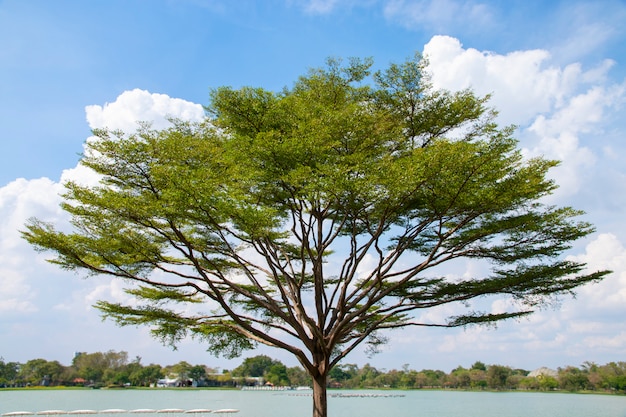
<point>303,393</point>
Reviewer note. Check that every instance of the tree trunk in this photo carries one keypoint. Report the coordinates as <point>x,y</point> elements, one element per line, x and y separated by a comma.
<point>320,399</point>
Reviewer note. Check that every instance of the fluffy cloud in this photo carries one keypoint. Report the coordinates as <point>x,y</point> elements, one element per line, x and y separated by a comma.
<point>553,106</point>
<point>592,322</point>
<point>20,200</point>
<point>521,83</point>
<point>605,252</point>
<point>137,105</point>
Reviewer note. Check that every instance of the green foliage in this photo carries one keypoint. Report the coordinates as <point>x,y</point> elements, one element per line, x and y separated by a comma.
<point>342,373</point>
<point>614,375</point>
<point>573,379</point>
<point>272,371</point>
<point>548,383</point>
<point>478,365</point>
<point>277,375</point>
<point>8,373</point>
<point>497,376</point>
<point>105,367</point>
<point>298,377</point>
<point>197,372</point>
<point>255,366</point>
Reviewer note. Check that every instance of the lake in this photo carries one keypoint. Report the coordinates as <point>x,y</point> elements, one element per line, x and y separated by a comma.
<point>416,403</point>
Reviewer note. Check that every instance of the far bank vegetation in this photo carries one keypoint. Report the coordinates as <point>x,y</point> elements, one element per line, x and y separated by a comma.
<point>115,369</point>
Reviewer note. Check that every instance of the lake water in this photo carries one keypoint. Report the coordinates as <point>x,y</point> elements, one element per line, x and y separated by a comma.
<point>416,403</point>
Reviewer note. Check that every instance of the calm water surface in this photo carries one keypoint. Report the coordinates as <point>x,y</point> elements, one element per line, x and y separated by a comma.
<point>299,404</point>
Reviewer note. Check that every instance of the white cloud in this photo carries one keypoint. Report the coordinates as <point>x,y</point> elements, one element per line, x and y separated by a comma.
<point>553,106</point>
<point>605,252</point>
<point>575,160</point>
<point>521,85</point>
<point>102,288</point>
<point>138,105</point>
<point>580,113</point>
<point>20,200</point>
<point>558,135</point>
<point>617,341</point>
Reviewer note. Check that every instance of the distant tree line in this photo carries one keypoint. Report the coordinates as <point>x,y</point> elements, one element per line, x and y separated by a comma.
<point>589,377</point>
<point>114,369</point>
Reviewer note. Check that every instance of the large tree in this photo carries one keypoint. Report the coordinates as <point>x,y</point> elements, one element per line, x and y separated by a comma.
<point>313,218</point>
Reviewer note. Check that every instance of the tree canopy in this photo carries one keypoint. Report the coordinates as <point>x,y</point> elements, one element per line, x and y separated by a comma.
<point>313,218</point>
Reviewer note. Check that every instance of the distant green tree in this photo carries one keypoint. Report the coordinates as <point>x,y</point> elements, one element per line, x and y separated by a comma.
<point>277,375</point>
<point>224,379</point>
<point>613,375</point>
<point>389,379</point>
<point>132,369</point>
<point>341,373</point>
<point>118,377</point>
<point>367,376</point>
<point>573,379</point>
<point>462,377</point>
<point>298,377</point>
<point>408,378</point>
<point>255,366</point>
<point>497,376</point>
<point>479,366</point>
<point>478,378</point>
<point>345,376</point>
<point>197,373</point>
<point>529,383</point>
<point>93,366</point>
<point>40,372</point>
<point>147,375</point>
<point>435,378</point>
<point>618,382</point>
<point>180,370</point>
<point>30,372</point>
<point>8,373</point>
<point>547,383</point>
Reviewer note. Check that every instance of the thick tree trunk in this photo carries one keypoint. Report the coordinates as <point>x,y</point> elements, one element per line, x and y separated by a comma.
<point>320,399</point>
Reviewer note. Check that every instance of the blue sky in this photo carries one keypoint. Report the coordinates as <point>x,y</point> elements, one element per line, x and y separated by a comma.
<point>58,57</point>
<point>556,69</point>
